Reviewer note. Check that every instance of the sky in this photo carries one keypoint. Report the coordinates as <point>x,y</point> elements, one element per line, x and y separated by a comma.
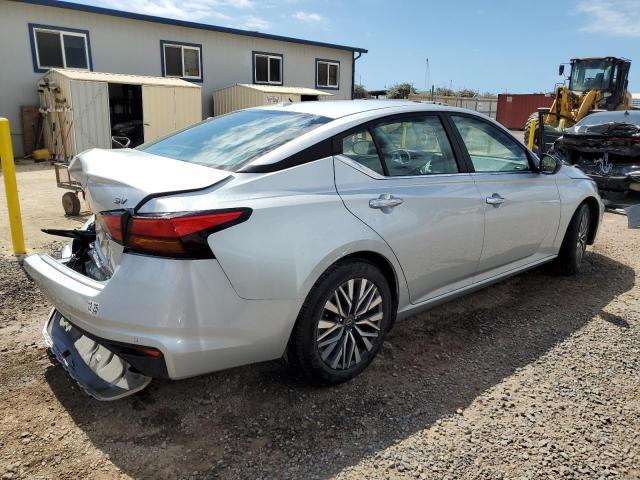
<point>493,46</point>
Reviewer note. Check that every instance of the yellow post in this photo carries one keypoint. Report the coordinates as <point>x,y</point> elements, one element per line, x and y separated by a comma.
<point>11,188</point>
<point>532,134</point>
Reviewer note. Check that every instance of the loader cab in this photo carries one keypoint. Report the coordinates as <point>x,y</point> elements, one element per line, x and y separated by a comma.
<point>607,75</point>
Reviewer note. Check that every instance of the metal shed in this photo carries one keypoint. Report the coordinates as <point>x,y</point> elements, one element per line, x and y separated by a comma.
<point>82,110</point>
<point>245,95</point>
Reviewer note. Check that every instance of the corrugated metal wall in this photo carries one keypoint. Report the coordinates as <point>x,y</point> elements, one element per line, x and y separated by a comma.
<point>514,109</point>
<point>166,109</point>
<point>91,120</point>
<point>234,98</point>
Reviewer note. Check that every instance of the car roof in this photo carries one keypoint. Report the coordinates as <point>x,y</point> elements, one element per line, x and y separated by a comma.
<point>342,108</point>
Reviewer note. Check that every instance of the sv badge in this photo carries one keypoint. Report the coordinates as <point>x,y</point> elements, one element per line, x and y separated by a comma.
<point>119,200</point>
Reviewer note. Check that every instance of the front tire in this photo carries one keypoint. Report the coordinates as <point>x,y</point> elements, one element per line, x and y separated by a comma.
<point>342,323</point>
<point>574,245</point>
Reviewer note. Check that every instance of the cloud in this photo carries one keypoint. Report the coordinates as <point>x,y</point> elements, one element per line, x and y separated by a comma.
<point>617,18</point>
<point>231,13</point>
<point>307,17</point>
<point>254,23</point>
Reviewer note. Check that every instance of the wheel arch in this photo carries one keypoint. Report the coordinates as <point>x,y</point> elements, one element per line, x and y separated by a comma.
<point>594,217</point>
<point>385,266</point>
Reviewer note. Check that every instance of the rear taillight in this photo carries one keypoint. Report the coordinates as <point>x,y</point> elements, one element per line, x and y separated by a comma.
<point>112,223</point>
<point>171,235</point>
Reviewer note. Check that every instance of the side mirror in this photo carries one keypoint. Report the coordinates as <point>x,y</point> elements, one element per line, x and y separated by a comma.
<point>561,70</point>
<point>550,164</point>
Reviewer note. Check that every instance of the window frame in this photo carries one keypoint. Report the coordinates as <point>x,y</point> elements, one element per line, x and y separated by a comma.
<point>533,167</point>
<point>463,168</point>
<point>269,56</point>
<point>61,31</point>
<point>182,45</point>
<point>328,63</point>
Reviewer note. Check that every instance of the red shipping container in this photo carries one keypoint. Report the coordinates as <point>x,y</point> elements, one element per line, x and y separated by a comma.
<point>514,108</point>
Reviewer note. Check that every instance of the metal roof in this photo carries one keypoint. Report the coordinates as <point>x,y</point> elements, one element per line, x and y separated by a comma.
<point>183,23</point>
<point>279,89</point>
<point>121,78</point>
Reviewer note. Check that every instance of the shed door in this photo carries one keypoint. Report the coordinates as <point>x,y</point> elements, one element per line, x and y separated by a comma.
<point>90,106</point>
<point>188,102</point>
<point>158,111</point>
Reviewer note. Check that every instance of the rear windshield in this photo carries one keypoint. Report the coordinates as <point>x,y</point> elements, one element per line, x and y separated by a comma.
<point>232,140</point>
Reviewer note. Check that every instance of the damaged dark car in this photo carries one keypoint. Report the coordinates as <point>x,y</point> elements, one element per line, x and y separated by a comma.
<point>606,147</point>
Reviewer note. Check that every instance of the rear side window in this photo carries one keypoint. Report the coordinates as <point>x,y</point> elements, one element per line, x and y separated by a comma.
<point>230,141</point>
<point>359,147</point>
<point>490,149</point>
<point>415,146</point>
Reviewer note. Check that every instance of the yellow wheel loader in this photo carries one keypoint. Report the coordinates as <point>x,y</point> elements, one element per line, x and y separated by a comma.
<point>595,84</point>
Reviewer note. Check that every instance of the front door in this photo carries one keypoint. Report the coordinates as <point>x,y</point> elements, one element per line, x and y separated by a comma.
<point>401,178</point>
<point>522,208</point>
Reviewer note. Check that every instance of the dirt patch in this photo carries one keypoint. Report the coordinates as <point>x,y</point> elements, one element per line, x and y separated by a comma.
<point>40,204</point>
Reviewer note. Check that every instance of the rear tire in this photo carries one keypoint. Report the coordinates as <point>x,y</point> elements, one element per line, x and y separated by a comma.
<point>528,132</point>
<point>574,245</point>
<point>342,323</point>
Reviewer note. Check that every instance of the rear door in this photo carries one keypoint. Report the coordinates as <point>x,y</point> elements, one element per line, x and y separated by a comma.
<point>401,177</point>
<point>522,208</point>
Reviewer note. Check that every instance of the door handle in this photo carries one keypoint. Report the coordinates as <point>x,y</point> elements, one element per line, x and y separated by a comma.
<point>385,202</point>
<point>496,200</point>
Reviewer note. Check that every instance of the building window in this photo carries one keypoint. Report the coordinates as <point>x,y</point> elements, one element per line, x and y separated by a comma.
<point>327,74</point>
<point>267,68</point>
<point>58,47</point>
<point>181,60</point>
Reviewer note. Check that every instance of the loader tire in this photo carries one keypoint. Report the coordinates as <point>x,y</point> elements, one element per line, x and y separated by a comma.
<point>527,131</point>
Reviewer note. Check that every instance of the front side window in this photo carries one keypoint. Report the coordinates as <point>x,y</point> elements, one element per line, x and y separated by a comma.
<point>182,60</point>
<point>327,74</point>
<point>59,48</point>
<point>359,146</point>
<point>230,141</point>
<point>267,68</point>
<point>415,146</point>
<point>490,149</point>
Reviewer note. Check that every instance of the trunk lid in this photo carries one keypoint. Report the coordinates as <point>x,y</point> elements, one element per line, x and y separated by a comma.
<point>121,179</point>
<point>118,179</point>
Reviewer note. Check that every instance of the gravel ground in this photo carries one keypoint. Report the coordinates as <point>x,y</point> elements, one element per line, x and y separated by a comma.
<point>536,377</point>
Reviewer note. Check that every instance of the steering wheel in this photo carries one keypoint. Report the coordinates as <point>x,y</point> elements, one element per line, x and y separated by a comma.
<point>400,156</point>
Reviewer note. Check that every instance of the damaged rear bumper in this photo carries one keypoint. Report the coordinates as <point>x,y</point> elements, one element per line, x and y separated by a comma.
<point>97,369</point>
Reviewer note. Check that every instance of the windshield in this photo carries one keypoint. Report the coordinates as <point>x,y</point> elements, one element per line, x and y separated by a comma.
<point>232,140</point>
<point>629,117</point>
<point>591,75</point>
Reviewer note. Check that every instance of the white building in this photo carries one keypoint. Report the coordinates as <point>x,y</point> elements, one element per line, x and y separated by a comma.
<point>36,35</point>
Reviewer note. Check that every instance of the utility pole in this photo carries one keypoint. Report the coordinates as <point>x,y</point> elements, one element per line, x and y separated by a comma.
<point>426,74</point>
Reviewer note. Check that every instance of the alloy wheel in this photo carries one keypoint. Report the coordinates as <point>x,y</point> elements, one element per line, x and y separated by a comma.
<point>350,323</point>
<point>583,232</point>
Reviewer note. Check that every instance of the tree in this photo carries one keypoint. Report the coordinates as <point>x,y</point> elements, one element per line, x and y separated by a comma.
<point>360,92</point>
<point>467,93</point>
<point>444,92</point>
<point>400,90</point>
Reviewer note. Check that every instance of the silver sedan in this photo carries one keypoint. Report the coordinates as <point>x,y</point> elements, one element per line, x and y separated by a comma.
<point>300,230</point>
